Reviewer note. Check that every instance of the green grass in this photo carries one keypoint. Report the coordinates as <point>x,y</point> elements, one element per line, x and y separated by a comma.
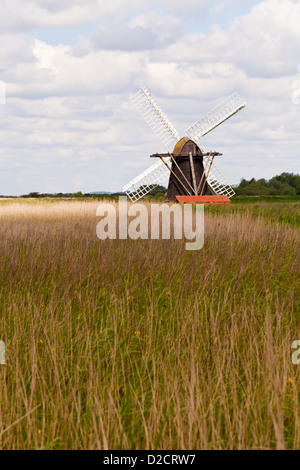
<point>277,211</point>
<point>265,199</point>
<point>143,345</point>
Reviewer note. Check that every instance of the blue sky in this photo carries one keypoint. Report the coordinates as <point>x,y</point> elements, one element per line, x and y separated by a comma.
<point>62,35</point>
<point>201,23</point>
<point>70,67</point>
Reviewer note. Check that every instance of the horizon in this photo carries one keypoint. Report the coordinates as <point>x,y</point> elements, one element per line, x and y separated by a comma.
<point>120,192</point>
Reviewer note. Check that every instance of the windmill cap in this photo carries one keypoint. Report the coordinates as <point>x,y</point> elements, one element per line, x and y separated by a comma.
<point>180,144</point>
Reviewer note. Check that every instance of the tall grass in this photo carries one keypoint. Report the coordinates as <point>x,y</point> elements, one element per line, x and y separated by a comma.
<point>122,344</point>
<point>281,213</point>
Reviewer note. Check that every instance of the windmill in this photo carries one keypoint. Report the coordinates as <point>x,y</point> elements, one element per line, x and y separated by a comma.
<point>190,170</point>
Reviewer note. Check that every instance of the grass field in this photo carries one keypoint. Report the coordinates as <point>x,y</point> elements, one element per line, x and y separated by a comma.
<point>123,344</point>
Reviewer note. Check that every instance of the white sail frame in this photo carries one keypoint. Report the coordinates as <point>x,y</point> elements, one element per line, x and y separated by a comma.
<point>225,110</point>
<point>155,118</point>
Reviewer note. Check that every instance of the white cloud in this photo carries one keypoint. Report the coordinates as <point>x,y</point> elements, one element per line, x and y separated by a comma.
<point>19,16</point>
<point>118,37</point>
<point>262,43</point>
<point>186,8</point>
<point>68,124</point>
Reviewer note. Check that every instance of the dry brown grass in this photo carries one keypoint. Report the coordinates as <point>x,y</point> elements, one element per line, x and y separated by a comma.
<point>141,344</point>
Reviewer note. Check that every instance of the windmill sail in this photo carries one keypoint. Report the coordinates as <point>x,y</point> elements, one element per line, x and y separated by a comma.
<point>218,184</point>
<point>148,180</point>
<point>216,116</point>
<point>163,128</point>
<point>155,118</point>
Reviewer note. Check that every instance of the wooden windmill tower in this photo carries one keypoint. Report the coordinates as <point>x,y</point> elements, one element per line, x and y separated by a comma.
<point>191,171</point>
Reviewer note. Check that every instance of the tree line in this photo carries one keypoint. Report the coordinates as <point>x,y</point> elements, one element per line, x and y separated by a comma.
<point>286,184</point>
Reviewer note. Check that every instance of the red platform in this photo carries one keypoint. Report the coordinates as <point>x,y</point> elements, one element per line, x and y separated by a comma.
<point>203,200</point>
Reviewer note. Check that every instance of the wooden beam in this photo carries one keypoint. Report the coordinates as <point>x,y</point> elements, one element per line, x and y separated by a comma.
<point>211,162</point>
<point>170,169</point>
<point>166,155</point>
<point>203,176</point>
<point>193,173</point>
<point>179,169</point>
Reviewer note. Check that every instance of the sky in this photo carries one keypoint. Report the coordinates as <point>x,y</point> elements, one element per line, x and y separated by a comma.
<point>68,70</point>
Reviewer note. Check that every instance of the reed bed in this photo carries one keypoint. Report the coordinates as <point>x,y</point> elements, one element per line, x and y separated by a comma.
<point>123,344</point>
